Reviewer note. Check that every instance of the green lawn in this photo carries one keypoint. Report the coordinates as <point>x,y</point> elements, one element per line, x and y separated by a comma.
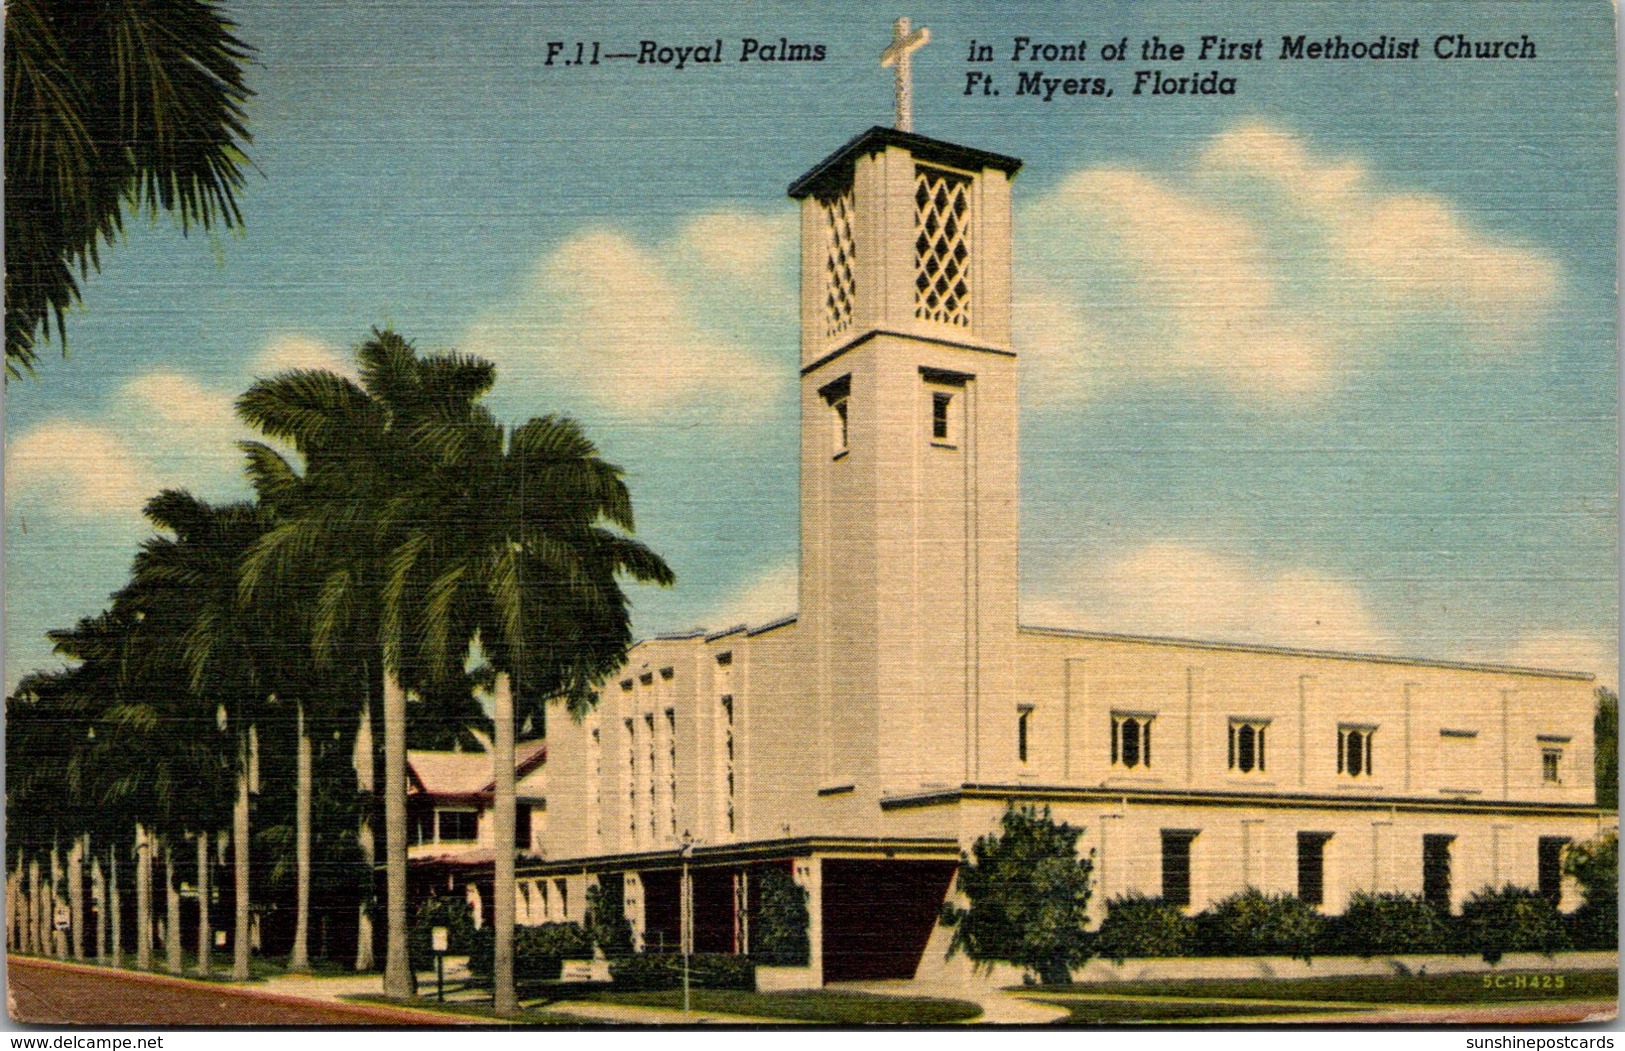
<point>464,1009</point>
<point>1385,989</point>
<point>1120,1012</point>
<point>839,1008</point>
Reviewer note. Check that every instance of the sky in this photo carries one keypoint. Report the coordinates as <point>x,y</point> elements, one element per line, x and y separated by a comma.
<point>1328,362</point>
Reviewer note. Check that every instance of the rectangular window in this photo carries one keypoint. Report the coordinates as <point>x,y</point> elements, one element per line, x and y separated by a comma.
<point>837,395</point>
<point>521,826</point>
<point>1551,766</point>
<point>1436,870</point>
<point>940,401</point>
<point>1176,865</point>
<point>1312,867</point>
<point>458,826</point>
<point>1024,718</point>
<point>1247,745</point>
<point>1131,739</point>
<point>1354,757</point>
<point>1551,867</point>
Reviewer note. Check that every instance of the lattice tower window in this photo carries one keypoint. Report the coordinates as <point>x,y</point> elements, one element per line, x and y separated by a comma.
<point>840,286</point>
<point>941,246</point>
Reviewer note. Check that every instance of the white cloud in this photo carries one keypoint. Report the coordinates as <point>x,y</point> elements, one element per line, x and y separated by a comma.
<point>294,351</point>
<point>643,330</point>
<point>745,246</point>
<point>1261,269</point>
<point>767,597</point>
<point>1413,247</point>
<point>1173,589</point>
<point>78,469</point>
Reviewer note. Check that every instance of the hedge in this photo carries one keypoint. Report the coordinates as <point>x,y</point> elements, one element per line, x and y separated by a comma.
<point>647,971</point>
<point>454,914</point>
<point>1389,924</point>
<point>538,952</point>
<point>1511,919</point>
<point>1138,927</point>
<point>1253,923</point>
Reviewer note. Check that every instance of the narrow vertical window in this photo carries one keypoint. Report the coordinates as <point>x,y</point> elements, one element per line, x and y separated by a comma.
<point>1551,766</point>
<point>1312,867</point>
<point>1247,745</point>
<point>1436,870</point>
<point>1354,750</point>
<point>1551,868</point>
<point>1131,739</point>
<point>1024,718</point>
<point>940,431</point>
<point>671,764</point>
<point>837,395</point>
<point>1176,866</point>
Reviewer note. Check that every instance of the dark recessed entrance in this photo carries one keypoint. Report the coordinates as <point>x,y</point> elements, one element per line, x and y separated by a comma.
<point>878,916</point>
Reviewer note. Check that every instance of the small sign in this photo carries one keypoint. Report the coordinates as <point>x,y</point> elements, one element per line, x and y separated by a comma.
<point>439,939</point>
<point>220,939</point>
<point>62,917</point>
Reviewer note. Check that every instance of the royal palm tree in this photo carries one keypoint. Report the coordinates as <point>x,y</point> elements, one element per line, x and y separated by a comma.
<point>542,523</point>
<point>109,105</point>
<point>352,532</point>
<point>184,586</point>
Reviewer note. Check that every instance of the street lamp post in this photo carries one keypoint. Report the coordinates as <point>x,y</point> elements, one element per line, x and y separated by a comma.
<point>685,851</point>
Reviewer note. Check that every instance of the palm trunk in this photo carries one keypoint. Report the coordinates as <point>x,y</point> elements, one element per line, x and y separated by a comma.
<point>299,958</point>
<point>98,894</point>
<point>398,977</point>
<point>115,906</point>
<point>76,895</point>
<point>14,895</point>
<point>366,787</point>
<point>239,834</point>
<point>363,924</point>
<point>172,913</point>
<point>31,915</point>
<point>205,935</point>
<point>504,1001</point>
<point>59,938</point>
<point>143,899</point>
<point>42,904</point>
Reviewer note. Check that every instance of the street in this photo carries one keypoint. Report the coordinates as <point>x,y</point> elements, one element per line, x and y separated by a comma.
<point>47,993</point>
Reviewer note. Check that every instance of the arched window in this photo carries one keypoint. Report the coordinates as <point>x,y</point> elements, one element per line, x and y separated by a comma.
<point>1131,739</point>
<point>1247,745</point>
<point>1354,750</point>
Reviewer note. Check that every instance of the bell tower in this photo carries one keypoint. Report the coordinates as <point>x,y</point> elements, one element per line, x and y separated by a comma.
<point>908,456</point>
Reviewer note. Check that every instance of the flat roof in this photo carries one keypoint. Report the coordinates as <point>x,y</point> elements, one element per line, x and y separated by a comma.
<point>1294,651</point>
<point>834,168</point>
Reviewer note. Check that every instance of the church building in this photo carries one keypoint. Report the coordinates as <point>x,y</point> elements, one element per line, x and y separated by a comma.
<point>864,743</point>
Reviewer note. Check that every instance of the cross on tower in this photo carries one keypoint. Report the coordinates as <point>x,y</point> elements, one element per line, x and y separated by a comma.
<point>903,44</point>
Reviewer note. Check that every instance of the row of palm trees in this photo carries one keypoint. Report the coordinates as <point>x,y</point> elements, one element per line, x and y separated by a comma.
<point>407,537</point>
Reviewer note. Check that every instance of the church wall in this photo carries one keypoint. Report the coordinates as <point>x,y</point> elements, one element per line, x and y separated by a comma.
<point>1425,731</point>
<point>1368,848</point>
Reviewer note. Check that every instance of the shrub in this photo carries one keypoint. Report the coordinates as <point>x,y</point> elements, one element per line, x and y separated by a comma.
<point>652,971</point>
<point>606,915</point>
<point>1512,919</point>
<point>538,952</point>
<point>1389,924</point>
<point>779,932</point>
<point>1028,894</point>
<point>1594,864</point>
<point>1138,927</point>
<point>1253,923</point>
<point>454,914</point>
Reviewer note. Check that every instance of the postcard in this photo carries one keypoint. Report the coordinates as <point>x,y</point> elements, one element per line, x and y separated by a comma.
<point>754,514</point>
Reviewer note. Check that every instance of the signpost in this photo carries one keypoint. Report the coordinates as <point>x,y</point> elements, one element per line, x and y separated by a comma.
<point>439,941</point>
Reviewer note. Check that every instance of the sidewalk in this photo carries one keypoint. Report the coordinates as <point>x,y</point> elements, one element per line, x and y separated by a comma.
<point>999,1007</point>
